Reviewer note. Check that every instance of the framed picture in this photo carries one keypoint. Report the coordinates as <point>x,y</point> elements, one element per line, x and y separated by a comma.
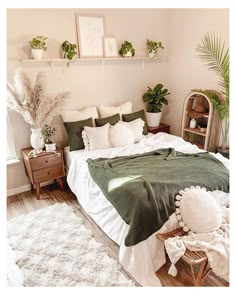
<point>110,47</point>
<point>90,35</point>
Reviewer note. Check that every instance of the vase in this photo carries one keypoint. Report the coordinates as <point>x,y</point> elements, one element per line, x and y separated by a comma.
<point>152,53</point>
<point>153,119</point>
<point>128,54</point>
<point>36,53</point>
<point>50,147</point>
<point>36,139</point>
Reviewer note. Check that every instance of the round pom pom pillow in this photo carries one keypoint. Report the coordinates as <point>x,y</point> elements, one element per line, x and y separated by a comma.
<point>197,211</point>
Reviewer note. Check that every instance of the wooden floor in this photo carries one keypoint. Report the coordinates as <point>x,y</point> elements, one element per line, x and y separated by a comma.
<point>25,203</point>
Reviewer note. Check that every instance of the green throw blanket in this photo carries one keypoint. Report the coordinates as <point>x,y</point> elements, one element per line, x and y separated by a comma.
<point>142,187</point>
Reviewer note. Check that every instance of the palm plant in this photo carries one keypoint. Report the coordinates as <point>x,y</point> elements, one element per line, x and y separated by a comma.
<point>213,52</point>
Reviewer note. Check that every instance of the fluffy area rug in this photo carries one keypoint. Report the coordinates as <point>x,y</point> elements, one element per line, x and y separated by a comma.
<point>54,249</point>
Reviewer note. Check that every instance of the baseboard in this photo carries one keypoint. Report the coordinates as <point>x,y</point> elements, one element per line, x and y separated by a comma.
<point>23,188</point>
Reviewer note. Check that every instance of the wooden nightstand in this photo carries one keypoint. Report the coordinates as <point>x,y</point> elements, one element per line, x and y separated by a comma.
<point>46,166</point>
<point>161,128</point>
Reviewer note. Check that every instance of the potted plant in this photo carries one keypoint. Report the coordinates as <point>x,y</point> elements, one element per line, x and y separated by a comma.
<point>69,51</point>
<point>38,45</point>
<point>213,52</point>
<point>152,47</point>
<point>155,98</point>
<point>31,100</point>
<point>127,49</point>
<point>47,133</point>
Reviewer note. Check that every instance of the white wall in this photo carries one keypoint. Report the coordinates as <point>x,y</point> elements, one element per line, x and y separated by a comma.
<point>180,30</point>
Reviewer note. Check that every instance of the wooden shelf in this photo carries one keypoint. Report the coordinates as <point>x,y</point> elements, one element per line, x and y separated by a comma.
<point>195,131</point>
<point>197,114</point>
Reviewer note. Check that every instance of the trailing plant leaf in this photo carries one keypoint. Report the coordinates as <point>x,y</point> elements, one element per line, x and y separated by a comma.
<point>153,45</point>
<point>69,51</point>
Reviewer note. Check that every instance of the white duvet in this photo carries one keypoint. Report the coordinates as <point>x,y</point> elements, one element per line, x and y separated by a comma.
<point>145,258</point>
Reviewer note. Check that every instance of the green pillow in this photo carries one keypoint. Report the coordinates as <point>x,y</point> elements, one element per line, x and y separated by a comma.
<point>112,120</point>
<point>136,115</point>
<point>74,132</point>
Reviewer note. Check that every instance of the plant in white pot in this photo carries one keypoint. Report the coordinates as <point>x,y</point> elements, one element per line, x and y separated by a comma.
<point>155,98</point>
<point>38,45</point>
<point>47,133</point>
<point>29,98</point>
<point>152,47</point>
<point>126,49</point>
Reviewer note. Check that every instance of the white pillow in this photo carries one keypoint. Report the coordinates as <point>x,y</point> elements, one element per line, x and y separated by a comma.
<point>121,135</point>
<point>73,116</point>
<point>96,138</point>
<point>197,211</point>
<point>136,126</point>
<point>107,111</point>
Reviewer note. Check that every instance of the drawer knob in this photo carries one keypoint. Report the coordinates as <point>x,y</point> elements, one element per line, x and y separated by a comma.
<point>48,172</point>
<point>46,161</point>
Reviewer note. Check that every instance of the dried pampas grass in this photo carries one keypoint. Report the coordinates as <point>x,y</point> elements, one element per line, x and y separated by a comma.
<point>30,99</point>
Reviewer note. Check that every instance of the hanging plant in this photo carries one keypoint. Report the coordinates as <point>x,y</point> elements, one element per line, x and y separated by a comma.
<point>69,51</point>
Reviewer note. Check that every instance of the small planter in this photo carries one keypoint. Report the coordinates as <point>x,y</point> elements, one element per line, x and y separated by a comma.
<point>128,54</point>
<point>153,119</point>
<point>36,53</point>
<point>152,53</point>
<point>50,147</point>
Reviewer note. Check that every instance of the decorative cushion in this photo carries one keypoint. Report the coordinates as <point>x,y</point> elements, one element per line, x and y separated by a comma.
<point>136,115</point>
<point>74,132</point>
<point>197,211</point>
<point>72,116</point>
<point>107,111</point>
<point>136,126</point>
<point>96,138</point>
<point>112,120</point>
<point>121,135</point>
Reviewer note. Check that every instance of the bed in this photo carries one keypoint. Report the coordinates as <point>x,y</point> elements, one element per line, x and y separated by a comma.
<point>143,259</point>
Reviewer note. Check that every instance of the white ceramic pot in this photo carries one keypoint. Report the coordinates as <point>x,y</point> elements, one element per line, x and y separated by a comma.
<point>153,119</point>
<point>36,139</point>
<point>50,146</point>
<point>36,53</point>
<point>128,54</point>
<point>152,53</point>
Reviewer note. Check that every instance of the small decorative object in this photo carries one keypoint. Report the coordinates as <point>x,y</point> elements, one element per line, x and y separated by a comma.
<point>38,45</point>
<point>193,123</point>
<point>110,47</point>
<point>47,133</point>
<point>90,35</point>
<point>155,98</point>
<point>31,101</point>
<point>202,126</point>
<point>152,47</point>
<point>192,210</point>
<point>69,51</point>
<point>127,49</point>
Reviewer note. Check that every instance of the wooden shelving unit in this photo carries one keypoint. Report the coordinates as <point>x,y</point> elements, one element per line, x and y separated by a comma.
<point>206,139</point>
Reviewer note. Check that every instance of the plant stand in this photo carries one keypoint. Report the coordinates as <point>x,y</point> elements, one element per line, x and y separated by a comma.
<point>197,260</point>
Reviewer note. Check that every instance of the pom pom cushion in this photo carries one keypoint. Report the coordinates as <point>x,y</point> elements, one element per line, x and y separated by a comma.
<point>121,135</point>
<point>96,138</point>
<point>197,211</point>
<point>107,111</point>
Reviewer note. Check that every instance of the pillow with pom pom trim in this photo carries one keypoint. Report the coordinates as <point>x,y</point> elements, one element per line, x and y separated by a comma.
<point>197,211</point>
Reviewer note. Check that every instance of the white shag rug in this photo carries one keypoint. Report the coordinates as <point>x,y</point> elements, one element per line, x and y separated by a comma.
<point>54,249</point>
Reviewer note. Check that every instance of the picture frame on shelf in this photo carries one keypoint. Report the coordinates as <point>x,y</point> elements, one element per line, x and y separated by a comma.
<point>90,31</point>
<point>110,46</point>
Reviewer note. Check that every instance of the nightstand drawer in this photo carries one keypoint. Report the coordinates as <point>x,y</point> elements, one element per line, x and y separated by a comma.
<point>48,173</point>
<point>46,161</point>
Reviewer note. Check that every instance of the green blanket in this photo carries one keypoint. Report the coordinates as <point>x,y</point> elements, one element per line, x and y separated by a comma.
<point>142,187</point>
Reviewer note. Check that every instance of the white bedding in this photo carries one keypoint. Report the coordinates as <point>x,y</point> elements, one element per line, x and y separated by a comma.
<point>145,258</point>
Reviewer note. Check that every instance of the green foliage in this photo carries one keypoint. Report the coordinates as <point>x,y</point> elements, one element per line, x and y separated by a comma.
<point>153,45</point>
<point>69,51</point>
<point>213,52</point>
<point>155,98</point>
<point>38,43</point>
<point>47,133</point>
<point>126,47</point>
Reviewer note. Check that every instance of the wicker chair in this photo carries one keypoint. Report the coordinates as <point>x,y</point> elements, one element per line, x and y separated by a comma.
<point>197,260</point>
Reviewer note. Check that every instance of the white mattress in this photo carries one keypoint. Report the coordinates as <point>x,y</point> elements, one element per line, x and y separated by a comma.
<point>69,156</point>
<point>145,258</point>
